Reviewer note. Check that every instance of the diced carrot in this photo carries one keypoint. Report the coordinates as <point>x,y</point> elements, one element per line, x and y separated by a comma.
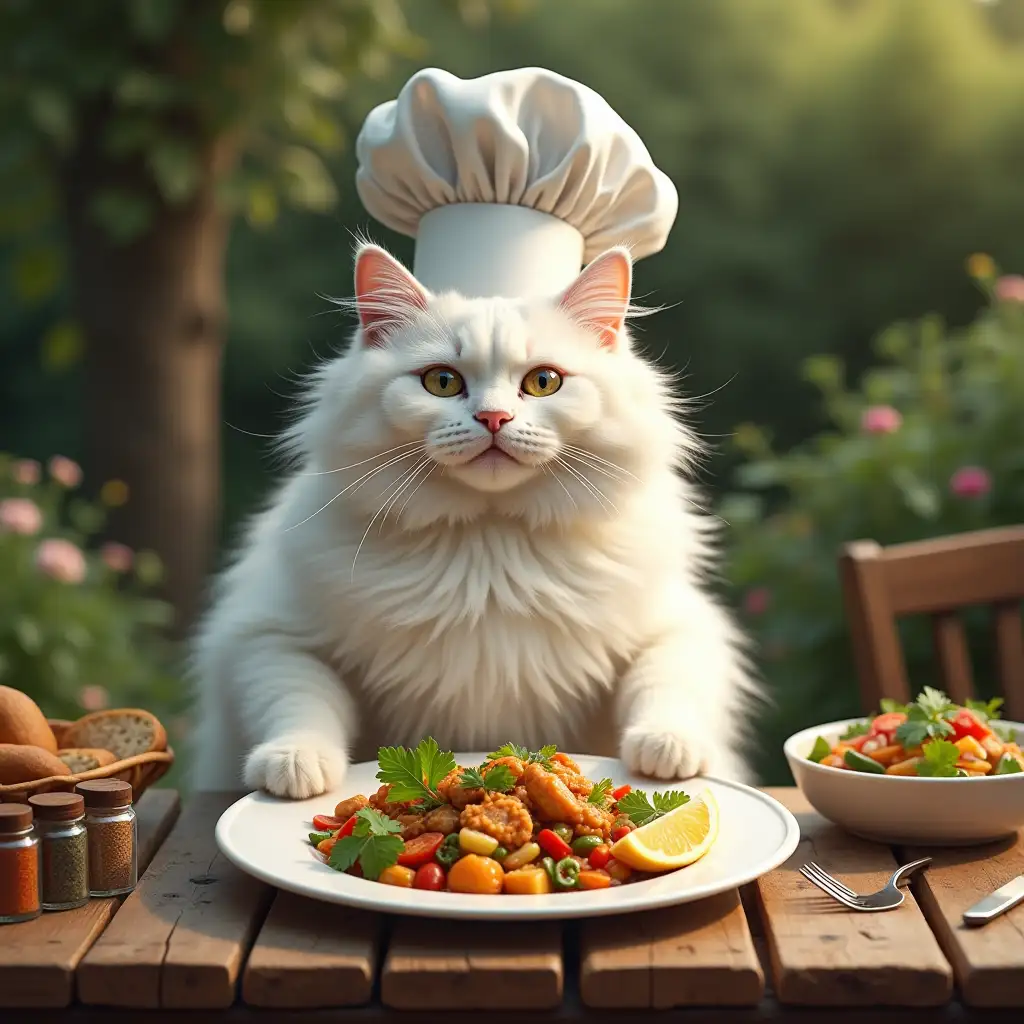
<point>908,767</point>
<point>529,881</point>
<point>975,766</point>
<point>993,747</point>
<point>887,755</point>
<point>595,880</point>
<point>833,761</point>
<point>968,745</point>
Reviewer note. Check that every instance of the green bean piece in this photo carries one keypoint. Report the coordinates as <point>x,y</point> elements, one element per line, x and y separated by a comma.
<point>448,852</point>
<point>499,854</point>
<point>564,832</point>
<point>862,763</point>
<point>316,838</point>
<point>548,864</point>
<point>585,844</point>
<point>567,873</point>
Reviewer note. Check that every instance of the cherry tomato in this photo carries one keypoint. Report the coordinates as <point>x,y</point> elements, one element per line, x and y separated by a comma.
<point>599,855</point>
<point>618,833</point>
<point>553,844</point>
<point>966,723</point>
<point>429,876</point>
<point>421,849</point>
<point>618,794</point>
<point>886,725</point>
<point>327,823</point>
<point>856,742</point>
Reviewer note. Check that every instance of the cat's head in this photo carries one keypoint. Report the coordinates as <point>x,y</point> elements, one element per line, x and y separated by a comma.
<point>538,408</point>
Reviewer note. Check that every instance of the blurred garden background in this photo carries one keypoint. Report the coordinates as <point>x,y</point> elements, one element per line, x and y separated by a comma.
<point>176,198</point>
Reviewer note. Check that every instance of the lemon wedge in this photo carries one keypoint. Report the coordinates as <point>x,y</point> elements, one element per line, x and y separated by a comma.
<point>678,838</point>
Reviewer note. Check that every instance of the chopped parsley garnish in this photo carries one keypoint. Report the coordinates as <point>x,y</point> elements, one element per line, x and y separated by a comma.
<point>986,710</point>
<point>853,730</point>
<point>927,718</point>
<point>938,761</point>
<point>541,757</point>
<point>890,706</point>
<point>373,843</point>
<point>820,749</point>
<point>600,793</point>
<point>642,811</point>
<point>414,775</point>
<point>1007,765</point>
<point>498,779</point>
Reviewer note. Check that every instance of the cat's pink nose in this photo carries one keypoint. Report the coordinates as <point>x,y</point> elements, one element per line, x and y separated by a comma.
<point>494,421</point>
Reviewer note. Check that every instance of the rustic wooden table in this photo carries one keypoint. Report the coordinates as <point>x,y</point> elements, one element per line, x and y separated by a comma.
<point>200,941</point>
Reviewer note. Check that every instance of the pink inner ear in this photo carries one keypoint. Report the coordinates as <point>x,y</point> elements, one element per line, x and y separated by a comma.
<point>599,298</point>
<point>387,295</point>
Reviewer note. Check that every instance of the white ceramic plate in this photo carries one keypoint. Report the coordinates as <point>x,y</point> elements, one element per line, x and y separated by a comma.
<point>268,838</point>
<point>906,810</point>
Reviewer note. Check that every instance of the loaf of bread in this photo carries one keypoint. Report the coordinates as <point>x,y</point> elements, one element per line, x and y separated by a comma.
<point>20,762</point>
<point>21,721</point>
<point>125,732</point>
<point>85,759</point>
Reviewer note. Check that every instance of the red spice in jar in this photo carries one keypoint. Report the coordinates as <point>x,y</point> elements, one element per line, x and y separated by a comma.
<point>19,865</point>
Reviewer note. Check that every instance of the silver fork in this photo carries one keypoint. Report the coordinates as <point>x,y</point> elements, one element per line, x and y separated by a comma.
<point>888,897</point>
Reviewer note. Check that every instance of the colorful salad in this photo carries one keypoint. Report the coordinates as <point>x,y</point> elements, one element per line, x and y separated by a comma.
<point>930,737</point>
<point>523,822</point>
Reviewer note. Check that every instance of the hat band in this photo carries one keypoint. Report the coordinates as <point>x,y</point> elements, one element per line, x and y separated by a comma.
<point>489,249</point>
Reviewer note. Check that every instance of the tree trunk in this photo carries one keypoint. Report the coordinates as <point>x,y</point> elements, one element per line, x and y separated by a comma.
<point>152,313</point>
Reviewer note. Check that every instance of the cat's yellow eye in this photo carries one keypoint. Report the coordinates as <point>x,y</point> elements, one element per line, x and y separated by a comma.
<point>443,381</point>
<point>542,382</point>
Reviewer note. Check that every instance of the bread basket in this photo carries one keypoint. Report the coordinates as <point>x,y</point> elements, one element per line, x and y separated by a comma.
<point>141,771</point>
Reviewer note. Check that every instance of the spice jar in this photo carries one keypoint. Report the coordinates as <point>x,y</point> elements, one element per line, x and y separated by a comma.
<point>110,823</point>
<point>63,850</point>
<point>19,865</point>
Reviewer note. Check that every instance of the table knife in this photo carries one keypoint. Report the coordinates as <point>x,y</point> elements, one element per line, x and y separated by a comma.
<point>1002,900</point>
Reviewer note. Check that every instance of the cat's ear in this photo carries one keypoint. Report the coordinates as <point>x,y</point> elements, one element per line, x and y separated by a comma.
<point>387,295</point>
<point>599,298</point>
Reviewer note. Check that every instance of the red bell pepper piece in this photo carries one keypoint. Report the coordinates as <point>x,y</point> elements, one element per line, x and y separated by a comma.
<point>553,844</point>
<point>618,794</point>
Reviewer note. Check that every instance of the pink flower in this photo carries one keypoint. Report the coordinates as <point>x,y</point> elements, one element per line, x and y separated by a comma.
<point>881,419</point>
<point>65,471</point>
<point>117,556</point>
<point>93,698</point>
<point>26,471</point>
<point>757,600</point>
<point>19,515</point>
<point>970,482</point>
<point>61,560</point>
<point>1010,288</point>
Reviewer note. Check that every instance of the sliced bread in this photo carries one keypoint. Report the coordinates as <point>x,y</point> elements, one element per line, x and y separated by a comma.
<point>85,759</point>
<point>125,732</point>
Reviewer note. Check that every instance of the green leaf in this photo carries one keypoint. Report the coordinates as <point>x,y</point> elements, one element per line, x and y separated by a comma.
<point>435,764</point>
<point>939,760</point>
<point>62,346</point>
<point>37,272</point>
<point>935,702</point>
<point>1007,765</point>
<point>346,852</point>
<point>926,717</point>
<point>378,853</point>
<point>400,768</point>
<point>510,750</point>
<point>600,793</point>
<point>986,710</point>
<point>641,811</point>
<point>374,823</point>
<point>856,729</point>
<point>316,838</point>
<point>890,706</point>
<point>822,748</point>
<point>175,169</point>
<point>498,779</point>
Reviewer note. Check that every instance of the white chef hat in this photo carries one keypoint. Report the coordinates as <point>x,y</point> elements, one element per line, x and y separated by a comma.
<point>510,182</point>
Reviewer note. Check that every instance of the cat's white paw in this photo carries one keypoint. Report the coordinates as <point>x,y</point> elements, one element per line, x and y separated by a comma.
<point>294,767</point>
<point>662,753</point>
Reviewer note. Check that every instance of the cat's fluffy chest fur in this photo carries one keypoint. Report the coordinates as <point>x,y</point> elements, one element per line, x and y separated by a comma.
<point>547,585</point>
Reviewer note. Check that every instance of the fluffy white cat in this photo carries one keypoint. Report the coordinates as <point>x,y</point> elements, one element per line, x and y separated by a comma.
<point>487,537</point>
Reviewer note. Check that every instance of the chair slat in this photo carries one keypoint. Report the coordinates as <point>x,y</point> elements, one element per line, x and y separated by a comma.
<point>1010,657</point>
<point>38,958</point>
<point>698,954</point>
<point>308,956</point>
<point>179,939</point>
<point>988,962</point>
<point>825,955</point>
<point>953,656</point>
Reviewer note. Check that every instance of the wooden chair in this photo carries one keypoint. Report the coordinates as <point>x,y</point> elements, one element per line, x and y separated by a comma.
<point>936,578</point>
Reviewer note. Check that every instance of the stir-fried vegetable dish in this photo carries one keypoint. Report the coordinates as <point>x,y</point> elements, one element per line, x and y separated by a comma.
<point>523,823</point>
<point>931,737</point>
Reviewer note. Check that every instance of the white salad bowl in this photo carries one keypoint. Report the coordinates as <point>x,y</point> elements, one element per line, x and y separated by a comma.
<point>907,810</point>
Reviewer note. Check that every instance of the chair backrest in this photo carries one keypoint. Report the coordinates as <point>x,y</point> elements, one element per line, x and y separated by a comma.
<point>936,578</point>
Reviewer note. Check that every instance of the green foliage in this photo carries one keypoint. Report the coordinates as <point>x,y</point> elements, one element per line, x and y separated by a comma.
<point>888,469</point>
<point>78,629</point>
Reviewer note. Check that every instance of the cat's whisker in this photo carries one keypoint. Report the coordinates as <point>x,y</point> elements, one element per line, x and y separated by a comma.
<point>603,500</point>
<point>401,511</point>
<point>400,484</point>
<point>372,458</point>
<point>355,484</point>
<point>409,479</point>
<point>558,480</point>
<point>618,477</point>
<point>597,458</point>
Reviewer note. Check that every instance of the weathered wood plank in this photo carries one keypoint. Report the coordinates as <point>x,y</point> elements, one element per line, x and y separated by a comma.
<point>38,958</point>
<point>989,961</point>
<point>310,955</point>
<point>462,965</point>
<point>179,940</point>
<point>825,955</point>
<point>691,955</point>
